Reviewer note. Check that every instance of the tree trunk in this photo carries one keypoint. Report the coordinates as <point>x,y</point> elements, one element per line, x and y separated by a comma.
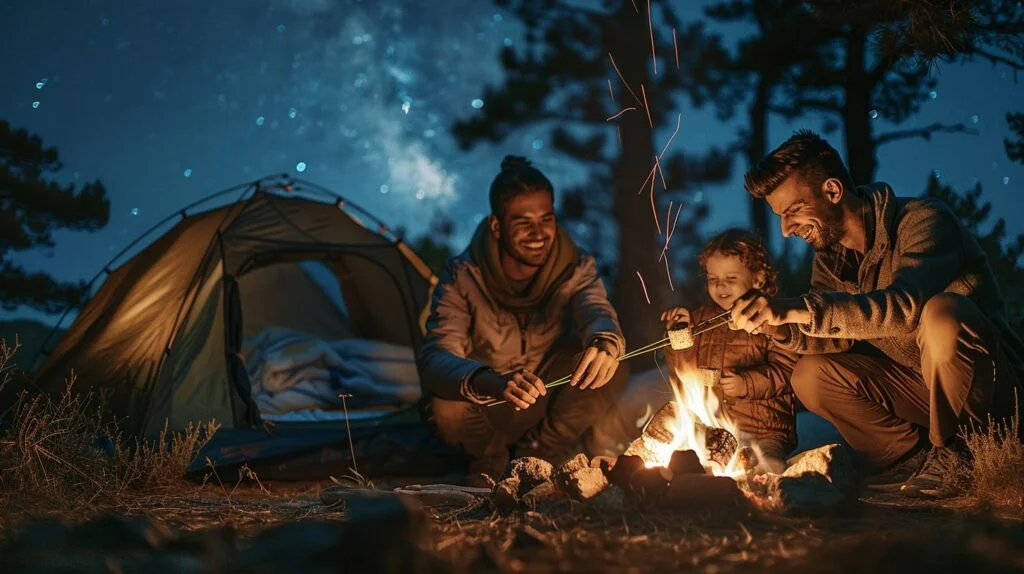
<point>757,147</point>
<point>637,238</point>
<point>860,144</point>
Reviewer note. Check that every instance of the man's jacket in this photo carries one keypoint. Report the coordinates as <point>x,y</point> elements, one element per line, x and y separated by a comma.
<point>467,330</point>
<point>918,249</point>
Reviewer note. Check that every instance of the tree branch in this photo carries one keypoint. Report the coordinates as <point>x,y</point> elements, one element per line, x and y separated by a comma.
<point>925,132</point>
<point>996,58</point>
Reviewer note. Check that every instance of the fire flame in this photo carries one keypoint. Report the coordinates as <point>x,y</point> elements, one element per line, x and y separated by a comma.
<point>695,409</point>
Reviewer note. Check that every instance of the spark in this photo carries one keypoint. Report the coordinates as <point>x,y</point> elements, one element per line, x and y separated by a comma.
<point>643,185</point>
<point>624,83</point>
<point>620,112</point>
<point>610,92</point>
<point>675,46</point>
<point>657,164</point>
<point>634,6</point>
<point>644,286</point>
<point>654,209</point>
<point>671,231</point>
<point>646,107</point>
<point>679,118</point>
<point>650,26</point>
<point>618,133</point>
<point>668,273</point>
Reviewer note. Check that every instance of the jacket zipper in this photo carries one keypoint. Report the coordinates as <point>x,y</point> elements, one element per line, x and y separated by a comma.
<point>523,321</point>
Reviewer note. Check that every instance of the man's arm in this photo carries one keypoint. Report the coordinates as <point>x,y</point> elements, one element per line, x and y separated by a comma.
<point>443,365</point>
<point>789,337</point>
<point>927,257</point>
<point>596,319</point>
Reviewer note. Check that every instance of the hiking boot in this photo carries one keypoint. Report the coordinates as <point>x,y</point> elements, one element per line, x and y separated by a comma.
<point>936,477</point>
<point>894,477</point>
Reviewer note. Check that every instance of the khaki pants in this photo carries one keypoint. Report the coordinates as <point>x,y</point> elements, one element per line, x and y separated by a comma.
<point>880,406</point>
<point>549,429</point>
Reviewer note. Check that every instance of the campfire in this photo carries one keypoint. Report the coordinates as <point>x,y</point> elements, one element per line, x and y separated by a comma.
<point>692,421</point>
<point>689,458</point>
<point>688,454</point>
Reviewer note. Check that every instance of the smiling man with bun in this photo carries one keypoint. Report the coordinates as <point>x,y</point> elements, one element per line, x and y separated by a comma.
<point>520,307</point>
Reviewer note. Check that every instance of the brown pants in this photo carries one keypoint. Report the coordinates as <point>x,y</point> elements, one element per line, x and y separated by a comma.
<point>879,406</point>
<point>549,429</point>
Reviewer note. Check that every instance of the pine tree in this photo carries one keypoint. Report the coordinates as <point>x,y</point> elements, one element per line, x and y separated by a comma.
<point>32,207</point>
<point>1015,148</point>
<point>1003,256</point>
<point>589,74</point>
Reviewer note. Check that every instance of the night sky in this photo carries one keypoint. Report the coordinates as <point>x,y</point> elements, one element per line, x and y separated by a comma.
<point>169,101</point>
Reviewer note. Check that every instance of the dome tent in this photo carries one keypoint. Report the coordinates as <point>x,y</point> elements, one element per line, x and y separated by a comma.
<point>160,340</point>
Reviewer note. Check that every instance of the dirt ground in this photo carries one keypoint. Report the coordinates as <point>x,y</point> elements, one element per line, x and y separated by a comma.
<point>875,535</point>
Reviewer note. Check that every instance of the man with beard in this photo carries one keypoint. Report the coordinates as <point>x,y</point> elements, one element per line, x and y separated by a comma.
<point>520,307</point>
<point>904,334</point>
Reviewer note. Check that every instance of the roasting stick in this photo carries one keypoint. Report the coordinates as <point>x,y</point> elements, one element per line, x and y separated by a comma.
<point>702,327</point>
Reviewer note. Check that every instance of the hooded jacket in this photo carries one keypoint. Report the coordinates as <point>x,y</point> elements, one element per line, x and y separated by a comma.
<point>468,330</point>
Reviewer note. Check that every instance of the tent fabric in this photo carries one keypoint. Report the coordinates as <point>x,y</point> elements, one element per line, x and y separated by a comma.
<point>160,340</point>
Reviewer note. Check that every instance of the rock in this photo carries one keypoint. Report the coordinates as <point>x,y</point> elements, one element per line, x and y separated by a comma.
<point>544,492</point>
<point>109,533</point>
<point>383,534</point>
<point>834,461</point>
<point>605,463</point>
<point>529,471</point>
<point>573,464</point>
<point>808,493</point>
<point>586,483</point>
<point>506,494</point>
<point>702,492</point>
<point>685,462</point>
<point>647,485</point>
<point>623,469</point>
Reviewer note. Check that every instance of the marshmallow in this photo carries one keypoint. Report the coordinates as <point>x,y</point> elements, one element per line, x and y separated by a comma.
<point>680,339</point>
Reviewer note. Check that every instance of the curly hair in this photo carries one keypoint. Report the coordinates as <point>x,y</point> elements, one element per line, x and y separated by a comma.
<point>805,153</point>
<point>517,176</point>
<point>750,249</point>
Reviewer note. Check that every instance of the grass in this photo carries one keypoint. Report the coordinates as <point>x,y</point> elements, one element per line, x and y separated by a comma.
<point>60,458</point>
<point>61,452</point>
<point>997,466</point>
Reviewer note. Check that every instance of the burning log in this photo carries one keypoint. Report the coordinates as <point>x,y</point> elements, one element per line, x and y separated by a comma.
<point>659,434</point>
<point>701,492</point>
<point>682,485</point>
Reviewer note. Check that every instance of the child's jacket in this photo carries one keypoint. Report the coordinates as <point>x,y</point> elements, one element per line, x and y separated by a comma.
<point>766,411</point>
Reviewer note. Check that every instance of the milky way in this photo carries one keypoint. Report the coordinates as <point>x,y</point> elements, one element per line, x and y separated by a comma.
<point>167,102</point>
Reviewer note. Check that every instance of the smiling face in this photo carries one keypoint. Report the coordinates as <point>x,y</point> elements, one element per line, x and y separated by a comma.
<point>728,279</point>
<point>811,214</point>
<point>526,228</point>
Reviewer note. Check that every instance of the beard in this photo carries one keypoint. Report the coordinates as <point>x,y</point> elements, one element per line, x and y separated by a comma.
<point>828,234</point>
<point>524,256</point>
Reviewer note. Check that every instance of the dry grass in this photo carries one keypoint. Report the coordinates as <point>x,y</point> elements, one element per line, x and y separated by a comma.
<point>997,473</point>
<point>59,451</point>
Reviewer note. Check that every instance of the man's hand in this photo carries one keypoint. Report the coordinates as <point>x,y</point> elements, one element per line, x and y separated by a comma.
<point>754,312</point>
<point>675,317</point>
<point>595,369</point>
<point>732,384</point>
<point>520,388</point>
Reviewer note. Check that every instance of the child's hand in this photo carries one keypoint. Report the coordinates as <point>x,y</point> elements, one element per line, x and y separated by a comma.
<point>677,317</point>
<point>732,384</point>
